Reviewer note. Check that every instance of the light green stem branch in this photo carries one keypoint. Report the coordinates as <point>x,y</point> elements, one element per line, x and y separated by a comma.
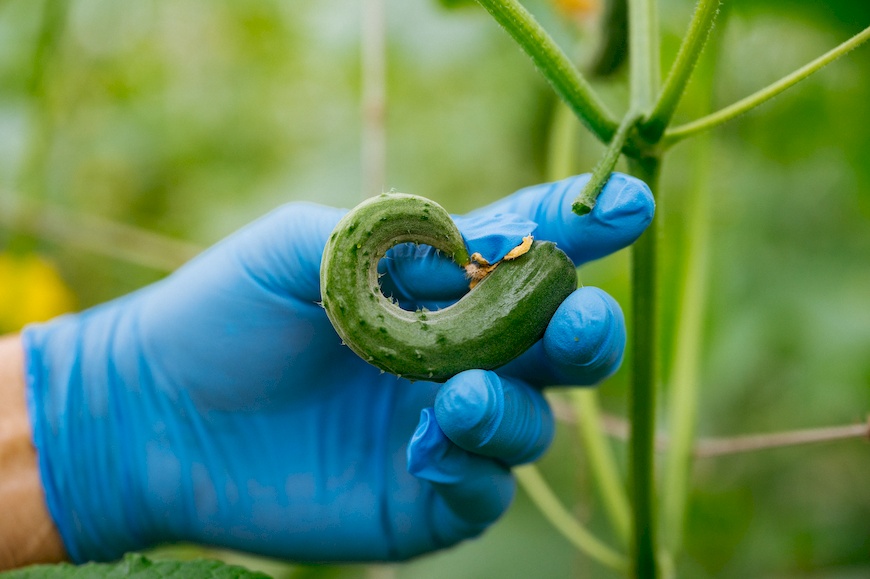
<point>601,174</point>
<point>554,64</point>
<point>373,56</point>
<point>688,337</point>
<point>678,77</point>
<point>542,495</point>
<point>643,53</point>
<point>561,149</point>
<point>94,234</point>
<point>40,92</point>
<point>683,392</point>
<point>602,463</point>
<point>713,447</point>
<point>712,120</point>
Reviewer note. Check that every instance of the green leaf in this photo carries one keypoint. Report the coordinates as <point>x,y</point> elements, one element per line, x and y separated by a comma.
<point>139,567</point>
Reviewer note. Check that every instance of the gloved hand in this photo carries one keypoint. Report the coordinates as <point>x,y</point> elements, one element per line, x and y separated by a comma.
<point>218,406</point>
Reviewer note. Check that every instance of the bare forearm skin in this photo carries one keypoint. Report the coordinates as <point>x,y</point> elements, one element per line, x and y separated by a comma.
<point>27,533</point>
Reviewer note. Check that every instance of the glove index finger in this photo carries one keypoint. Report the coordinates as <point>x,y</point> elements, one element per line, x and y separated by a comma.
<point>624,209</point>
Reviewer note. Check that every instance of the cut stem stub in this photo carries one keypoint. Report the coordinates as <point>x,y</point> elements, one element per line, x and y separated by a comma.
<point>601,174</point>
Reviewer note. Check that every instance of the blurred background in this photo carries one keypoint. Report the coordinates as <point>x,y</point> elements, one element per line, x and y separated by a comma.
<point>134,132</point>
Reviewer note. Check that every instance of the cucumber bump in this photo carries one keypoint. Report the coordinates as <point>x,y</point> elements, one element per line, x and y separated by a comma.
<point>493,323</point>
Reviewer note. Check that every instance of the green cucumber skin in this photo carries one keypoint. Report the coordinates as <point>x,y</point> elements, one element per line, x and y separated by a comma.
<point>492,324</point>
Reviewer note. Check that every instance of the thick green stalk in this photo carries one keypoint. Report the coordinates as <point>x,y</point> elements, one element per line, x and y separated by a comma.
<point>722,116</point>
<point>545,499</point>
<point>642,402</point>
<point>678,77</point>
<point>601,461</point>
<point>644,78</point>
<point>554,64</point>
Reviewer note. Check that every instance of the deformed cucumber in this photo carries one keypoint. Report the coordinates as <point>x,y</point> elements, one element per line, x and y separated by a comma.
<point>493,323</point>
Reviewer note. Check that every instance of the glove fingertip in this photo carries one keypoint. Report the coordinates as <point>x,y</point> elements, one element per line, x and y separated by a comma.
<point>587,333</point>
<point>628,201</point>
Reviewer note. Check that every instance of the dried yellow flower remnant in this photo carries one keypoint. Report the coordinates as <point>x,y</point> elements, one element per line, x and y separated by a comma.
<point>521,249</point>
<point>477,271</point>
<point>479,267</point>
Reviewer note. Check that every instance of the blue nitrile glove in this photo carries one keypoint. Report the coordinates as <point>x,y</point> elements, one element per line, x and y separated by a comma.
<point>218,406</point>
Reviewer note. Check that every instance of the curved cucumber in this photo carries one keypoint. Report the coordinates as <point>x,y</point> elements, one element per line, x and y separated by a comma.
<point>492,324</point>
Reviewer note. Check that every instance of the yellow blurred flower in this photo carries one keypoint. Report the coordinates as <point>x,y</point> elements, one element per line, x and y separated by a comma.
<point>579,10</point>
<point>31,290</point>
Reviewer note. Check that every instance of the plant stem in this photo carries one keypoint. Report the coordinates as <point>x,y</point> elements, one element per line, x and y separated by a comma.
<point>373,51</point>
<point>602,463</point>
<point>614,40</point>
<point>722,116</point>
<point>688,333</point>
<point>678,77</point>
<point>554,64</point>
<point>44,61</point>
<point>752,442</point>
<point>619,429</point>
<point>683,391</point>
<point>95,234</point>
<point>642,399</point>
<point>542,495</point>
<point>644,79</point>
<point>601,174</point>
<point>561,140</point>
<point>643,53</point>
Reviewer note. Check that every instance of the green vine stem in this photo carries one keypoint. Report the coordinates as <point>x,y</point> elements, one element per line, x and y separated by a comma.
<point>642,397</point>
<point>602,462</point>
<point>545,499</point>
<point>554,64</point>
<point>644,78</point>
<point>726,114</point>
<point>601,174</point>
<point>678,77</point>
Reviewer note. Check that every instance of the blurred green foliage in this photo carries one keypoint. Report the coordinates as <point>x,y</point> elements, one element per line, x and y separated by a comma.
<point>190,118</point>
